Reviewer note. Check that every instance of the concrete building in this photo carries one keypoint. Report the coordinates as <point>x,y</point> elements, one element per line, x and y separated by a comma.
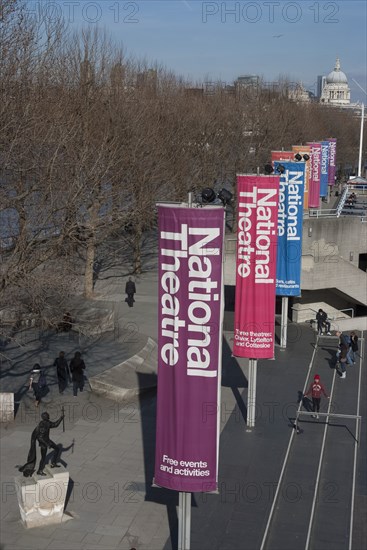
<point>334,262</point>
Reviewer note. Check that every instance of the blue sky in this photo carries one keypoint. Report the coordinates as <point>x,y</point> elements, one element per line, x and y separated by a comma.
<point>214,40</point>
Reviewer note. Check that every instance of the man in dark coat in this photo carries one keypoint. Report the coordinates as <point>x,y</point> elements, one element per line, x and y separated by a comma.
<point>62,371</point>
<point>42,434</point>
<point>77,367</point>
<point>130,290</point>
<point>342,353</point>
<point>322,322</point>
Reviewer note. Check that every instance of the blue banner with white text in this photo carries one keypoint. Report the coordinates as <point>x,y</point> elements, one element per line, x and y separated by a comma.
<point>290,218</point>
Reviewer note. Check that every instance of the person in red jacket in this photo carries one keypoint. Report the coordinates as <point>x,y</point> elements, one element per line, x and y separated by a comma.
<point>315,389</point>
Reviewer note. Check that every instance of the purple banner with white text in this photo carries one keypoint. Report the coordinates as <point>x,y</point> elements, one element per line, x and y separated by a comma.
<point>189,333</point>
<point>332,161</point>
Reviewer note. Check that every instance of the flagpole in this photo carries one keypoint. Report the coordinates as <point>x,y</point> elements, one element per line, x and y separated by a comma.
<point>184,499</point>
<point>251,399</point>
<point>361,144</point>
<point>284,323</point>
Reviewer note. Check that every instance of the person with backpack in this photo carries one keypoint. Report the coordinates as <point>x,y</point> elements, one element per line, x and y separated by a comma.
<point>316,389</point>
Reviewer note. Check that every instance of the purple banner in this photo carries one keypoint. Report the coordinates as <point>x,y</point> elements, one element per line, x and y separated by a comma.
<point>189,332</point>
<point>332,160</point>
<point>315,172</point>
<point>324,171</point>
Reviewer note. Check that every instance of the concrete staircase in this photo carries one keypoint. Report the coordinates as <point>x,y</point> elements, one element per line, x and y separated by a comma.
<point>129,379</point>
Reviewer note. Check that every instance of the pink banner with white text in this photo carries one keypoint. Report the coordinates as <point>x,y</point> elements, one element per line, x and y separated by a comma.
<point>315,175</point>
<point>257,215</point>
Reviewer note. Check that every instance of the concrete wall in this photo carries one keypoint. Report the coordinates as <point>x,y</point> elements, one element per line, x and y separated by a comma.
<point>327,239</point>
<point>327,263</point>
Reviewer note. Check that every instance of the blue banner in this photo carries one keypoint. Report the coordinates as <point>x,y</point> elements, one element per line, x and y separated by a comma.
<point>290,218</point>
<point>324,174</point>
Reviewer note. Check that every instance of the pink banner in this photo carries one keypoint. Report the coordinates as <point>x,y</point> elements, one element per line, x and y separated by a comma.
<point>189,362</point>
<point>315,174</point>
<point>256,266</point>
<point>305,150</point>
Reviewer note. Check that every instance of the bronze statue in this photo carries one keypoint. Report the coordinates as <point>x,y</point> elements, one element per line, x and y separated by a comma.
<point>42,434</point>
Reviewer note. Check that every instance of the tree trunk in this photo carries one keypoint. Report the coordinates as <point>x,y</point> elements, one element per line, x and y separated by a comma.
<point>89,262</point>
<point>137,250</point>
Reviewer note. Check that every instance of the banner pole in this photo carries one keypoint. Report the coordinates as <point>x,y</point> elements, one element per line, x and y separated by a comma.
<point>184,499</point>
<point>184,521</point>
<point>251,401</point>
<point>284,323</point>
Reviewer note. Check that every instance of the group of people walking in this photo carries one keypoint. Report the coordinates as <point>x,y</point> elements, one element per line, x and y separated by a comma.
<point>346,354</point>
<point>347,349</point>
<point>66,373</point>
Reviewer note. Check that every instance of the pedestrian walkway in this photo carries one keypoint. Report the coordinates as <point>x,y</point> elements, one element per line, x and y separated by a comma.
<point>108,449</point>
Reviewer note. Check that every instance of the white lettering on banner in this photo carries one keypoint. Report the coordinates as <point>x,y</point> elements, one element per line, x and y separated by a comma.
<point>202,290</point>
<point>332,152</point>
<point>294,182</point>
<point>325,159</point>
<point>253,339</point>
<point>316,154</point>
<point>259,200</point>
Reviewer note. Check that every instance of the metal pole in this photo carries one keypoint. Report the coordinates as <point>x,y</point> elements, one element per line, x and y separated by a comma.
<point>284,323</point>
<point>251,400</point>
<point>184,521</point>
<point>189,200</point>
<point>184,499</point>
<point>361,144</point>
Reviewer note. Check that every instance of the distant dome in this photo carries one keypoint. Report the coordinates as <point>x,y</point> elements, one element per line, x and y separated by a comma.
<point>336,76</point>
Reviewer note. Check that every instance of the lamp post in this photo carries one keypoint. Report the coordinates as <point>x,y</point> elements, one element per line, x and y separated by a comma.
<point>361,133</point>
<point>361,143</point>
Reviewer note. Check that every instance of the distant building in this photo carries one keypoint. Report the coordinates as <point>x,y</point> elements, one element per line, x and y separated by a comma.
<point>298,93</point>
<point>248,81</point>
<point>335,90</point>
<point>247,84</point>
<point>321,81</point>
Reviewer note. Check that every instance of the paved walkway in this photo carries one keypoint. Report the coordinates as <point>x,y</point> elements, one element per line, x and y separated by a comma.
<point>109,450</point>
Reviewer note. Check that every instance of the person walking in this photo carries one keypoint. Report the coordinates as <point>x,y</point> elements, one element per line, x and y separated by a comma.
<point>62,371</point>
<point>130,290</point>
<point>42,434</point>
<point>38,383</point>
<point>353,347</point>
<point>322,322</point>
<point>342,353</point>
<point>316,389</point>
<point>77,367</point>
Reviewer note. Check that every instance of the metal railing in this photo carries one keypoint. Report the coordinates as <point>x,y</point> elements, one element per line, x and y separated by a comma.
<point>348,309</point>
<point>342,201</point>
<point>334,415</point>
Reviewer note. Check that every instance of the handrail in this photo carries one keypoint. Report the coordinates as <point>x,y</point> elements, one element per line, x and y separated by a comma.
<point>305,308</point>
<point>342,201</point>
<point>348,309</point>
